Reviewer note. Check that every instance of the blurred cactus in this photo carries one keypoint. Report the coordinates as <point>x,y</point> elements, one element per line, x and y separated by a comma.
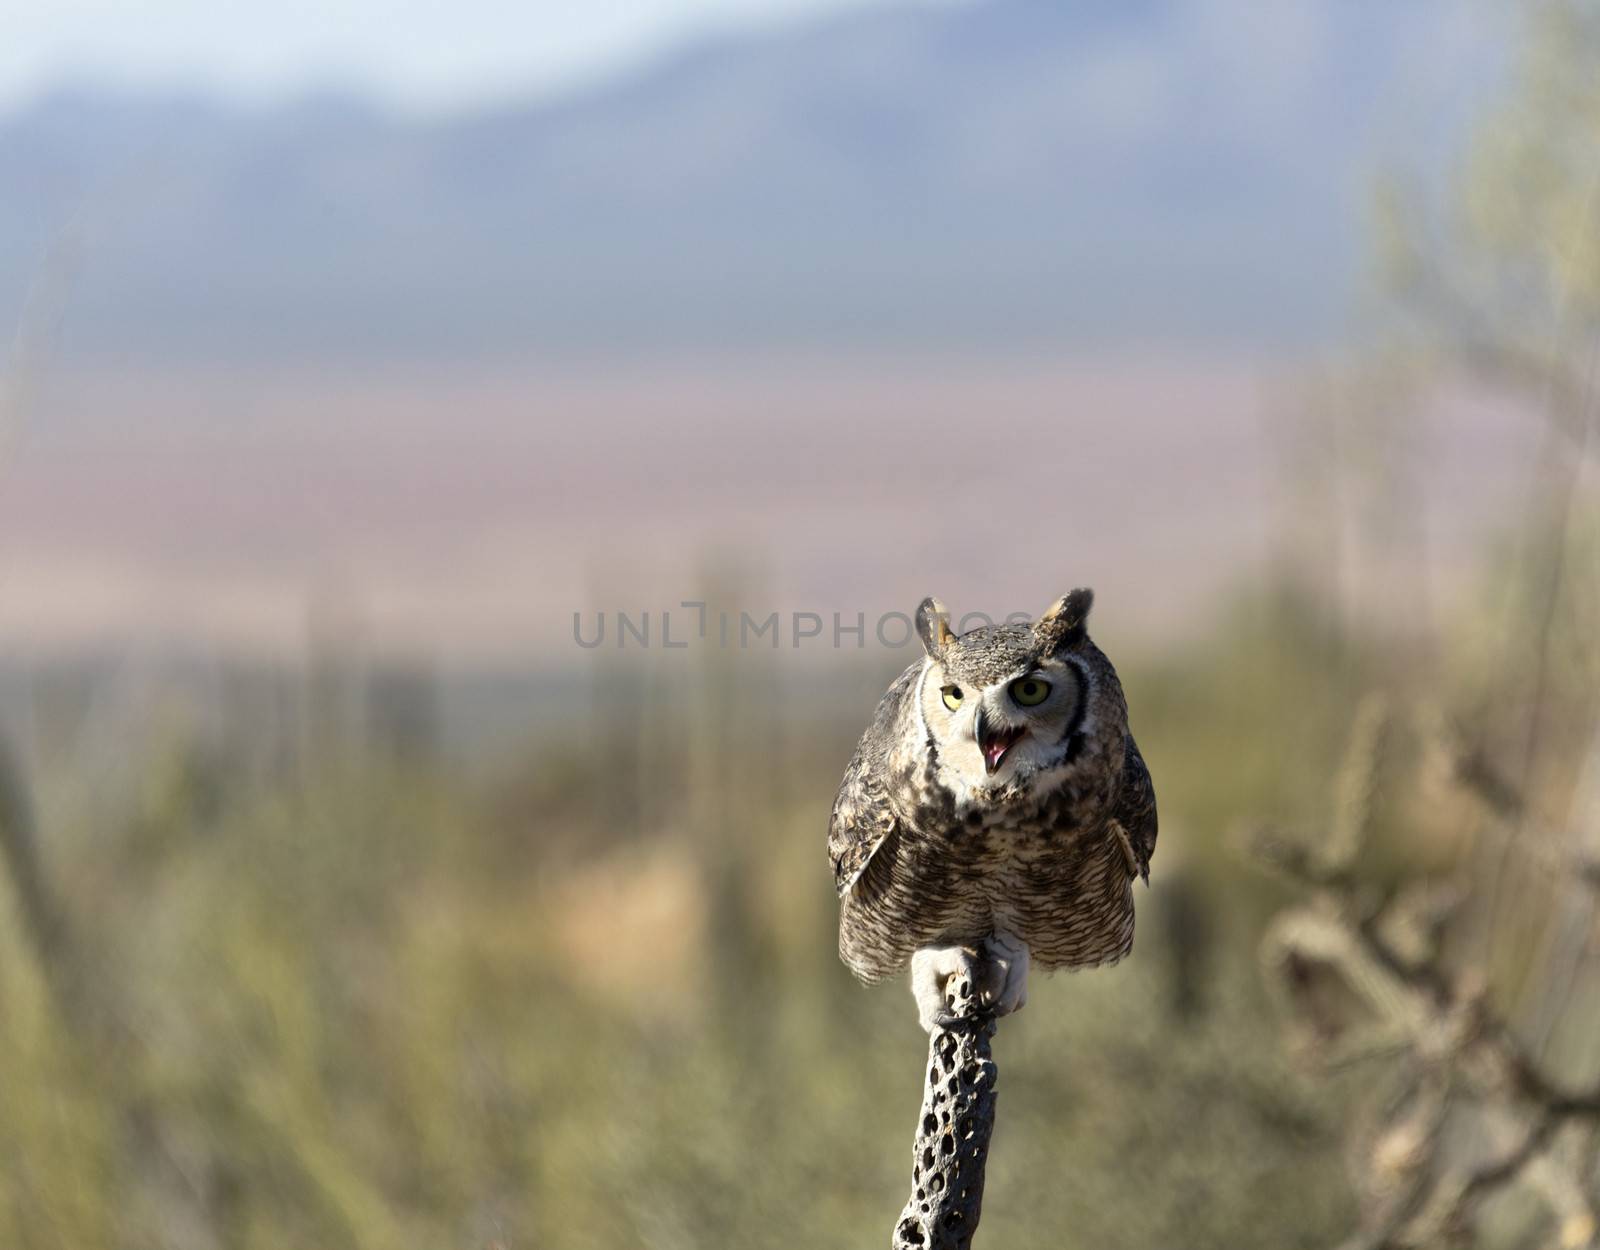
<point>1473,986</point>
<point>1467,1113</point>
<point>42,919</point>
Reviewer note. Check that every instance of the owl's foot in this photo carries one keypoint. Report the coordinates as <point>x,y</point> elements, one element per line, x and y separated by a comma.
<point>997,973</point>
<point>1005,988</point>
<point>934,970</point>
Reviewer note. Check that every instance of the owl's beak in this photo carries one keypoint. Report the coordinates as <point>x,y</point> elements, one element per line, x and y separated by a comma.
<point>994,743</point>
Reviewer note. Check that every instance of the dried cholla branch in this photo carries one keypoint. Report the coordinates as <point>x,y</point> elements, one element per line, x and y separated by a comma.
<point>1331,860</point>
<point>1357,786</point>
<point>1474,1115</point>
<point>952,1145</point>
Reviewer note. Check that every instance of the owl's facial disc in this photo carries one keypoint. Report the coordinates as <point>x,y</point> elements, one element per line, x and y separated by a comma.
<point>994,741</point>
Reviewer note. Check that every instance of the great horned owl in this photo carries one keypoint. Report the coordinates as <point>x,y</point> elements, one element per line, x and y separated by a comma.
<point>995,813</point>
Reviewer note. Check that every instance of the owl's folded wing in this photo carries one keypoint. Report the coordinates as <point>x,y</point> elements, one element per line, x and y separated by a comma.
<point>862,821</point>
<point>862,816</point>
<point>1135,809</point>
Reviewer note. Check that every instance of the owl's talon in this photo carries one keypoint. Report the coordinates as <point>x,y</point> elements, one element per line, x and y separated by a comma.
<point>997,973</point>
<point>933,968</point>
<point>1006,965</point>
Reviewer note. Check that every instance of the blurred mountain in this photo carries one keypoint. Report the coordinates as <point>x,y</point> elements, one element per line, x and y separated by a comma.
<point>986,174</point>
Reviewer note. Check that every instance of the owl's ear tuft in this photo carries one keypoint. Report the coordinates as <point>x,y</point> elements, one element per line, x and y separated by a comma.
<point>1065,622</point>
<point>933,626</point>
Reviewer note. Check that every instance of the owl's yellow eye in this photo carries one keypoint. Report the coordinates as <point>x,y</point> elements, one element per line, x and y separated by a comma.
<point>952,697</point>
<point>1030,691</point>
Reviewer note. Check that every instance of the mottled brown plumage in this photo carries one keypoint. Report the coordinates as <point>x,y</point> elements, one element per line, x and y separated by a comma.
<point>935,843</point>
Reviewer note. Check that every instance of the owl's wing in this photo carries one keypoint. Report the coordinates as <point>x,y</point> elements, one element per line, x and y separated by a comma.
<point>862,818</point>
<point>1135,809</point>
<point>862,822</point>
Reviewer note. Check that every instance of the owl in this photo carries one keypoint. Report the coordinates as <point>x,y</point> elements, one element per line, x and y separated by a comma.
<point>994,815</point>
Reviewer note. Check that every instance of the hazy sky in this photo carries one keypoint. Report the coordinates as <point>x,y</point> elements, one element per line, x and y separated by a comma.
<point>421,54</point>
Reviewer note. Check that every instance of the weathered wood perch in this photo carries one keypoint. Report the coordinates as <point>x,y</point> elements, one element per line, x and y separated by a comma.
<point>952,1146</point>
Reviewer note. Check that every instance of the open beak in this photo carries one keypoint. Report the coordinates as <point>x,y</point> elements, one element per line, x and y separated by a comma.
<point>994,743</point>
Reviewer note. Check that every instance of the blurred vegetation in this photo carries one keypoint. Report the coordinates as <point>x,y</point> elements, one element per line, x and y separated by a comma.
<point>296,976</point>
<point>335,994</point>
<point>1465,979</point>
